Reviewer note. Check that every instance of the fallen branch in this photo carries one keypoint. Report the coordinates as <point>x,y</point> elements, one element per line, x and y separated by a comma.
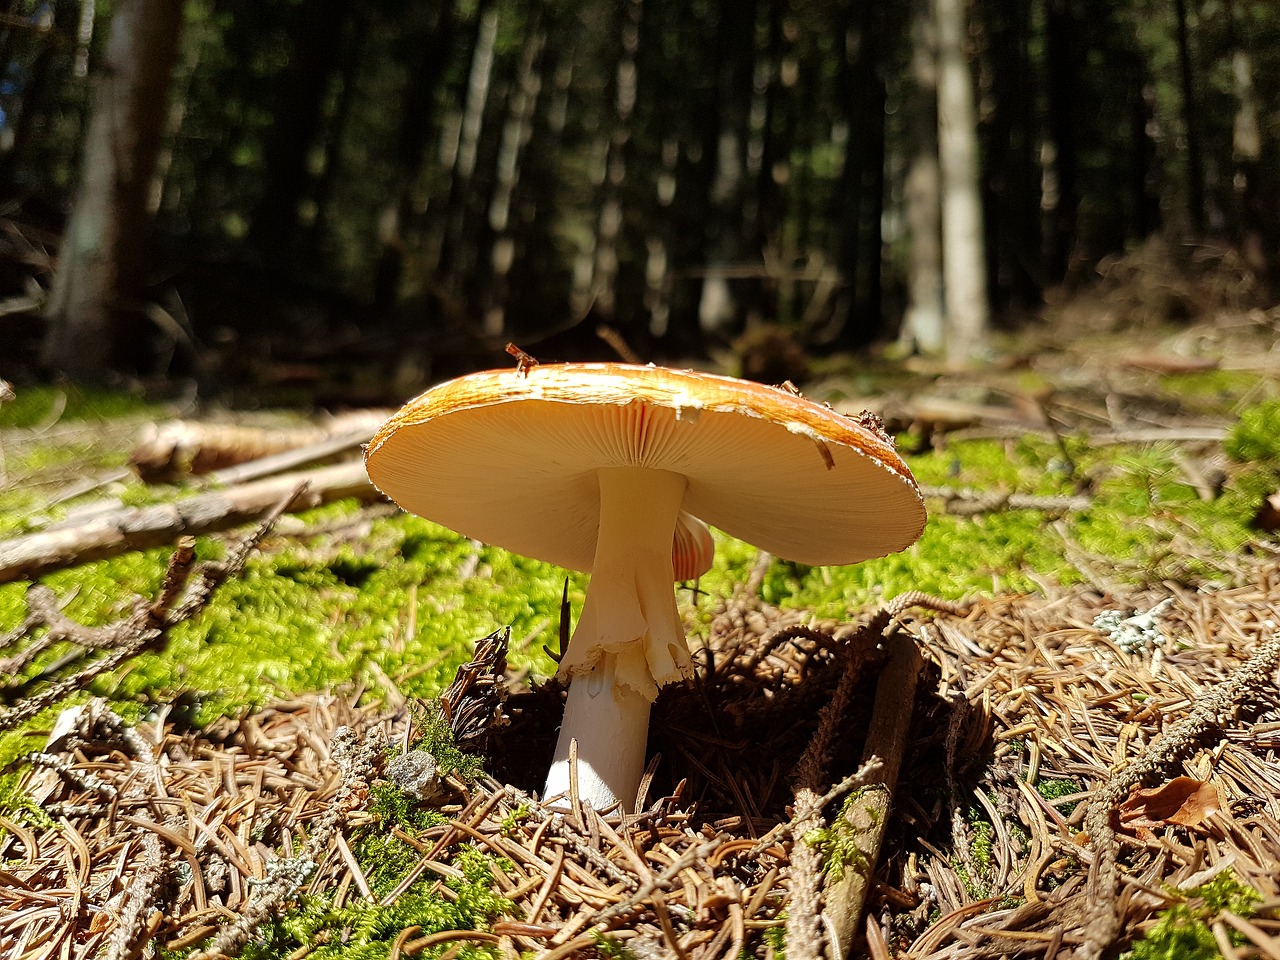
<point>964,501</point>
<point>882,756</point>
<point>869,816</point>
<point>171,450</point>
<point>140,528</point>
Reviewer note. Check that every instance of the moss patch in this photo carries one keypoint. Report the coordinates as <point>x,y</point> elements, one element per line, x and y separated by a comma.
<point>1183,931</point>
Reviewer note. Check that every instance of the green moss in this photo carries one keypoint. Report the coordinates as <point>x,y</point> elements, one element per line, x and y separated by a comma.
<point>311,616</point>
<point>36,405</point>
<point>1209,391</point>
<point>776,938</point>
<point>14,745</point>
<point>838,842</point>
<point>1056,789</point>
<point>1183,931</point>
<point>611,948</point>
<point>1255,438</point>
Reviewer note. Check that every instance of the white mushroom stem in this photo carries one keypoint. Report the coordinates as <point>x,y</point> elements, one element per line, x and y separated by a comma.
<point>629,640</point>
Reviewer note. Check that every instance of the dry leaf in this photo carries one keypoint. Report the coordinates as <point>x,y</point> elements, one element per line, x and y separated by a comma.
<point>1182,800</point>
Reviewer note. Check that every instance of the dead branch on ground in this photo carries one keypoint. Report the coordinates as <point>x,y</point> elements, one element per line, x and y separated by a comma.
<point>140,528</point>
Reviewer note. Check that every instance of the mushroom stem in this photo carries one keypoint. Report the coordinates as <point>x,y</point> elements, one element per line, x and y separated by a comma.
<point>629,639</point>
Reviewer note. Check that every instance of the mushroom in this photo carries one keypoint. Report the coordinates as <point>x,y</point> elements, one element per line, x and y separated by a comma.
<point>612,469</point>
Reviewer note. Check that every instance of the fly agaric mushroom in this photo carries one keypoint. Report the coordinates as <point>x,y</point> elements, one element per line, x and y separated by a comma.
<point>604,468</point>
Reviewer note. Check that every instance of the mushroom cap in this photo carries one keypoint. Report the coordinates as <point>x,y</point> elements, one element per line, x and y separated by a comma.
<point>510,458</point>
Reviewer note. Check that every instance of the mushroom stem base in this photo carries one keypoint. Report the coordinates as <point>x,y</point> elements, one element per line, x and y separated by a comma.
<point>610,722</point>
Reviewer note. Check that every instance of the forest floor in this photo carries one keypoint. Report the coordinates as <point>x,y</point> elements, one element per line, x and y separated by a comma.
<point>1051,729</point>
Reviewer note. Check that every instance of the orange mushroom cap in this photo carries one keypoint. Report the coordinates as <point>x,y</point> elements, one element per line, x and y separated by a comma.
<point>510,458</point>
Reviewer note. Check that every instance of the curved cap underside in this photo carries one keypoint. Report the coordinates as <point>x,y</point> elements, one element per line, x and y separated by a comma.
<point>511,459</point>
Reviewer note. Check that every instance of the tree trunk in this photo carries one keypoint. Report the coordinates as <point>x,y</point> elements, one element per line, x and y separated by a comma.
<point>1190,123</point>
<point>1255,224</point>
<point>923,324</point>
<point>417,123</point>
<point>1063,81</point>
<point>718,309</point>
<point>458,256</point>
<point>1011,169</point>
<point>522,101</point>
<point>298,121</point>
<point>963,257</point>
<point>857,200</point>
<point>100,268</point>
<point>610,222</point>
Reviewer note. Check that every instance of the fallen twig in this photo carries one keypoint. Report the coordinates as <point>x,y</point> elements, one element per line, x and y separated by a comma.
<point>869,816</point>
<point>964,501</point>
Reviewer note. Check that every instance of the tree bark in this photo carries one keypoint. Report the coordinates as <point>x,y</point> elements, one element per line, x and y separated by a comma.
<point>923,324</point>
<point>416,126</point>
<point>1256,231</point>
<point>522,101</point>
<point>102,256</point>
<point>718,308</point>
<point>1190,123</point>
<point>1063,85</point>
<point>299,119</point>
<point>963,255</point>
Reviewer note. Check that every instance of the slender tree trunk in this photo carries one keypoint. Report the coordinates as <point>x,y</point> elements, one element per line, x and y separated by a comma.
<point>963,256</point>
<point>1063,84</point>
<point>1256,230</point>
<point>417,123</point>
<point>777,137</point>
<point>521,105</point>
<point>1145,201</point>
<point>1009,128</point>
<point>718,309</point>
<point>609,225</point>
<point>1190,122</point>
<point>101,261</point>
<point>298,122</point>
<point>923,324</point>
<point>458,256</point>
<point>857,77</point>
<point>335,138</point>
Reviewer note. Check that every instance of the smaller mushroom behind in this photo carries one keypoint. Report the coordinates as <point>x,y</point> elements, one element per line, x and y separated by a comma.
<point>616,469</point>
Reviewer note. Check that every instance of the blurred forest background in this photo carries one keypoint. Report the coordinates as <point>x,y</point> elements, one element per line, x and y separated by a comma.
<point>367,196</point>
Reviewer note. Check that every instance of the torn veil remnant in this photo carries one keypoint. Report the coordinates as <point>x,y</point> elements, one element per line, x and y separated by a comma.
<point>616,469</point>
